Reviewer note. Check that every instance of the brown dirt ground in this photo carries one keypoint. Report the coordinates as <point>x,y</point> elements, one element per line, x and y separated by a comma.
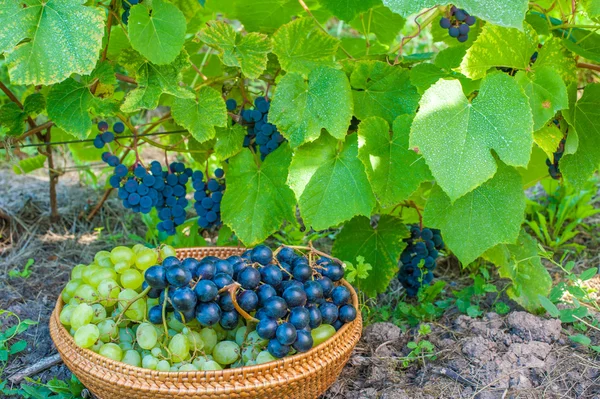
<point>514,356</point>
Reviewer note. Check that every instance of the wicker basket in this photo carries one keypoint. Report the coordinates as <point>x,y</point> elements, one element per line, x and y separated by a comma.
<point>305,375</point>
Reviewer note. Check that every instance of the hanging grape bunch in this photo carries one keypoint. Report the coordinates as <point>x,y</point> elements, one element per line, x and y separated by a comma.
<point>261,134</point>
<point>172,203</point>
<point>553,164</point>
<point>127,8</point>
<point>458,24</point>
<point>208,198</point>
<point>423,246</point>
<point>105,136</point>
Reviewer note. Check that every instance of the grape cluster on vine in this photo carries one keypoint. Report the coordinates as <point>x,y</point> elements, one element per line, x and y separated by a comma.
<point>208,198</point>
<point>261,134</point>
<point>458,23</point>
<point>127,4</point>
<point>105,136</point>
<point>418,260</point>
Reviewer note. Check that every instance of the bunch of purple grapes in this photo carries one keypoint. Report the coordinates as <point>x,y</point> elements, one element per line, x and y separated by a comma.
<point>458,24</point>
<point>208,198</point>
<point>105,136</point>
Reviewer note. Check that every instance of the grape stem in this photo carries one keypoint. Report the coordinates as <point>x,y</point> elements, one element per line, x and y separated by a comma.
<point>129,303</point>
<point>164,313</point>
<point>232,288</point>
<point>420,27</point>
<point>314,250</point>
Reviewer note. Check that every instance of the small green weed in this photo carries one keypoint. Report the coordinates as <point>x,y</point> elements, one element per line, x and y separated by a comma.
<point>421,349</point>
<point>25,273</point>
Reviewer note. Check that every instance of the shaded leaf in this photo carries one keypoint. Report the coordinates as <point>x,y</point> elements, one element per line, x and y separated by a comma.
<point>201,116</point>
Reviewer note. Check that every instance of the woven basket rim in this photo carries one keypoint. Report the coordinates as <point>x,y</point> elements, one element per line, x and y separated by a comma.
<point>128,369</point>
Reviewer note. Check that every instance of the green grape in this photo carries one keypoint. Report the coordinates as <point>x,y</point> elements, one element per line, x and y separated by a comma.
<point>231,334</point>
<point>137,247</point>
<point>250,353</point>
<point>211,365</point>
<point>108,290</point>
<point>111,351</point>
<point>250,362</point>
<point>122,254</point>
<point>86,336</point>
<point>70,289</point>
<point>132,279</point>
<point>145,258</point>
<point>199,362</point>
<point>101,274</point>
<point>126,346</point>
<point>172,332</point>
<point>146,336</point>
<point>82,315</point>
<point>121,267</point>
<point>163,365</point>
<point>96,347</point>
<point>167,251</point>
<point>322,334</point>
<point>221,332</point>
<point>126,335</point>
<point>264,357</point>
<point>99,313</point>
<point>86,293</point>
<point>179,346</point>
<point>132,358</point>
<point>73,302</point>
<point>151,302</point>
<point>137,310</point>
<point>209,337</point>
<point>188,367</point>
<point>226,352</point>
<point>174,369</point>
<point>255,339</point>
<point>65,315</point>
<point>149,362</point>
<point>77,272</point>
<point>156,351</point>
<point>108,330</point>
<point>88,273</point>
<point>196,343</point>
<point>175,324</point>
<point>240,335</point>
<point>101,256</point>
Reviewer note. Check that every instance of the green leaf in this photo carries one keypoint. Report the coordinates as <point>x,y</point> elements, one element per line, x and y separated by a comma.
<point>301,46</point>
<point>546,91</point>
<point>34,104</point>
<point>588,273</point>
<point>455,136</point>
<point>158,33</point>
<point>331,185</point>
<point>17,347</point>
<point>548,138</point>
<point>152,80</point>
<point>249,53</point>
<point>266,15</point>
<point>28,165</point>
<point>53,39</point>
<point>262,189</point>
<point>583,42</point>
<point>200,117</point>
<point>521,264</point>
<point>509,13</point>
<point>70,104</point>
<point>394,170</point>
<point>423,76</point>
<point>451,57</point>
<point>301,109</point>
<point>580,339</point>
<point>381,21</point>
<point>577,168</point>
<point>489,215</point>
<point>347,9</point>
<point>498,46</point>
<point>200,151</point>
<point>380,89</point>
<point>592,8</point>
<point>381,247</point>
<point>230,141</point>
<point>12,117</point>
<point>554,55</point>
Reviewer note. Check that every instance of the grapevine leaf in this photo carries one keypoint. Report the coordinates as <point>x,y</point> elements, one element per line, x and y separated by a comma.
<point>200,151</point>
<point>30,164</point>
<point>12,117</point>
<point>381,247</point>
<point>489,215</point>
<point>230,141</point>
<point>70,104</point>
<point>380,89</point>
<point>53,39</point>
<point>577,168</point>
<point>584,43</point>
<point>510,13</point>
<point>458,154</point>
<point>592,8</point>
<point>381,21</point>
<point>498,46</point>
<point>548,138</point>
<point>249,53</point>
<point>34,104</point>
<point>546,91</point>
<point>301,46</point>
<point>266,15</point>
<point>394,170</point>
<point>537,168</point>
<point>521,264</point>
<point>301,109</point>
<point>266,198</point>
<point>157,33</point>
<point>348,9</point>
<point>332,188</point>
<point>152,80</point>
<point>200,117</point>
<point>451,57</point>
<point>104,72</point>
<point>553,55</point>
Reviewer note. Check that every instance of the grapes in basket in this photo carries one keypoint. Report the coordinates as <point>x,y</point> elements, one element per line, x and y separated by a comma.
<point>147,308</point>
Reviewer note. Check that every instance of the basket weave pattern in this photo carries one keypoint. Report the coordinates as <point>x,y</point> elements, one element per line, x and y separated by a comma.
<point>305,375</point>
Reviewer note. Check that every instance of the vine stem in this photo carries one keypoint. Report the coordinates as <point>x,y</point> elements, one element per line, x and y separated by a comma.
<point>164,313</point>
<point>53,177</point>
<point>231,289</point>
<point>305,7</point>
<point>106,193</point>
<point>420,27</point>
<point>105,51</point>
<point>585,65</point>
<point>128,305</point>
<point>314,250</point>
<point>15,100</point>
<point>125,78</point>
